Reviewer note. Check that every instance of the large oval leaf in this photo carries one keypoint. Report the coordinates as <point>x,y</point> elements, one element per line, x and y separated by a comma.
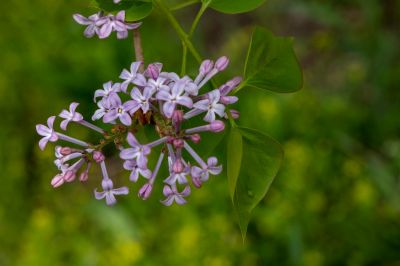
<point>135,9</point>
<point>271,63</point>
<point>260,161</point>
<point>234,158</point>
<point>235,6</point>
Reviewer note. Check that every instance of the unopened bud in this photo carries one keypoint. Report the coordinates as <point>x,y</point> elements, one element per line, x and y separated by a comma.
<point>228,99</point>
<point>145,191</point>
<point>235,113</point>
<point>206,66</point>
<point>65,150</point>
<point>153,70</point>
<point>221,63</point>
<point>195,138</point>
<point>83,177</point>
<point>69,176</point>
<point>178,143</point>
<point>178,166</point>
<point>177,117</point>
<point>57,181</point>
<point>98,156</point>
<point>217,126</point>
<point>196,182</point>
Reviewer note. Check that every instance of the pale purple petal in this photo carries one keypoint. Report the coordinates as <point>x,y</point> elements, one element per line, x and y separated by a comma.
<point>168,108</point>
<point>128,154</point>
<point>125,119</point>
<point>185,101</point>
<point>121,191</point>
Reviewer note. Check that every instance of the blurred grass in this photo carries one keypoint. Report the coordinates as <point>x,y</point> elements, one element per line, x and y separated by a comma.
<point>335,202</point>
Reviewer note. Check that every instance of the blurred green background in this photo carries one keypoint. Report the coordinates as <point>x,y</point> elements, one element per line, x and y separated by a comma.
<point>336,201</point>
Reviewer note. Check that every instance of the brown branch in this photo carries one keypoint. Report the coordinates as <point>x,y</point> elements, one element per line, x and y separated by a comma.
<point>137,43</point>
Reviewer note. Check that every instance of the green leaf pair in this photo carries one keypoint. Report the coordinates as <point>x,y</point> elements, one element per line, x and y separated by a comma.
<point>254,158</point>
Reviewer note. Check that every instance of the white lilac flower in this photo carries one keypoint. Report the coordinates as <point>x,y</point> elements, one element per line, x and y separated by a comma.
<point>173,195</point>
<point>48,132</point>
<point>141,100</point>
<point>173,98</point>
<point>70,115</point>
<point>132,77</point>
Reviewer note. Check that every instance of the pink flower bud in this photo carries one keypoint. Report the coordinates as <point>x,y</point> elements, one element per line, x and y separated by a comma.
<point>235,113</point>
<point>145,191</point>
<point>153,70</point>
<point>98,156</point>
<point>177,117</point>
<point>57,181</point>
<point>83,177</point>
<point>178,166</point>
<point>196,182</point>
<point>178,143</point>
<point>195,138</point>
<point>206,66</point>
<point>65,150</point>
<point>221,63</point>
<point>69,176</point>
<point>217,126</point>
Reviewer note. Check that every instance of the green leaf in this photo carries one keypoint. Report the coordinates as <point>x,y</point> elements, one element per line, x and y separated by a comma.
<point>234,158</point>
<point>135,9</point>
<point>261,160</point>
<point>234,6</point>
<point>271,63</point>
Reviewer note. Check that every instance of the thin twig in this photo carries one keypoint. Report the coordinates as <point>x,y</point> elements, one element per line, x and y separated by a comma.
<point>137,43</point>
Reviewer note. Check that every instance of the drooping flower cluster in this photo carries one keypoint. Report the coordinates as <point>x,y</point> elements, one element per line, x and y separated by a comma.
<point>103,25</point>
<point>161,100</point>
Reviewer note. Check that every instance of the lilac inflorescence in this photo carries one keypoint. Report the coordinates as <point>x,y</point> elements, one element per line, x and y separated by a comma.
<point>161,100</point>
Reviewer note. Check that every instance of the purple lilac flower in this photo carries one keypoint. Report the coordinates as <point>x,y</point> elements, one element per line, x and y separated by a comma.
<point>141,100</point>
<point>117,23</point>
<point>70,115</point>
<point>174,97</point>
<point>108,90</point>
<point>171,99</point>
<point>108,191</point>
<point>119,111</point>
<point>104,107</point>
<point>137,151</point>
<point>48,132</point>
<point>172,195</point>
<point>132,77</point>
<point>176,175</point>
<point>93,23</point>
<point>211,168</point>
<point>211,106</point>
<point>131,165</point>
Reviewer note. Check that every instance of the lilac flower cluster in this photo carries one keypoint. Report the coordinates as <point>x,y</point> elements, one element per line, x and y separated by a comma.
<point>103,25</point>
<point>162,100</point>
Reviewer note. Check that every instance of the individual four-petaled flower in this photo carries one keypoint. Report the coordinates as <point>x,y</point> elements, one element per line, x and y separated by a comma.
<point>172,195</point>
<point>70,115</point>
<point>109,192</point>
<point>175,97</point>
<point>48,132</point>
<point>136,151</point>
<point>211,106</point>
